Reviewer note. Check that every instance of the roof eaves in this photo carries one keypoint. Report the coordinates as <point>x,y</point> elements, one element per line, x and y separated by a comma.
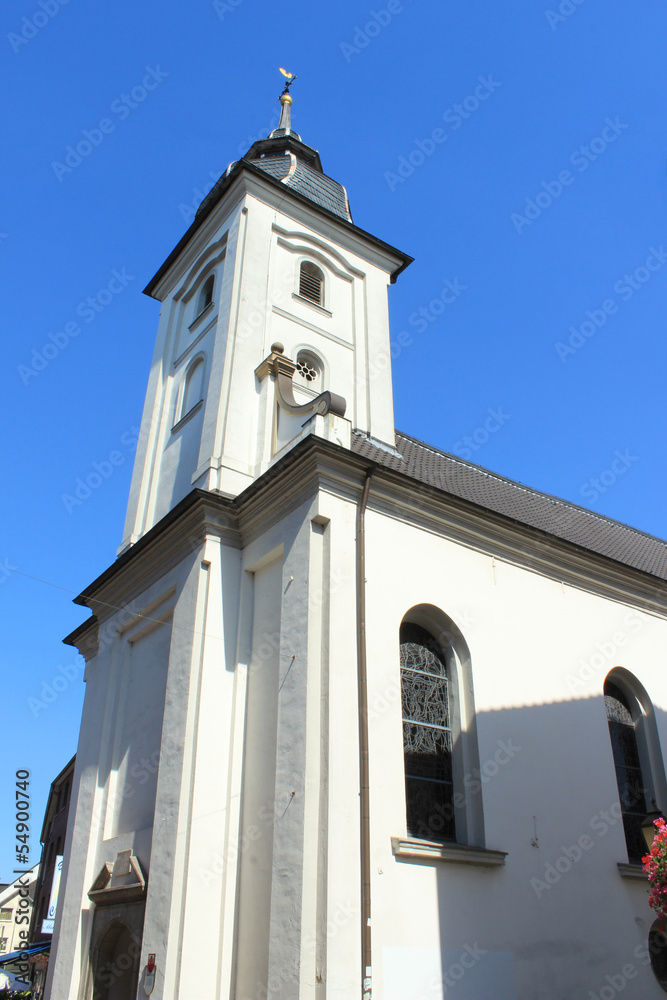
<point>538,494</point>
<point>247,165</point>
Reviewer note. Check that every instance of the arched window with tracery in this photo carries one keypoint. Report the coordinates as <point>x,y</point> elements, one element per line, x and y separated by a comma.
<point>623,713</point>
<point>427,735</point>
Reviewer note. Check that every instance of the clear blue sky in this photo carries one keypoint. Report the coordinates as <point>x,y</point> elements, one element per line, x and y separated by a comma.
<point>560,117</point>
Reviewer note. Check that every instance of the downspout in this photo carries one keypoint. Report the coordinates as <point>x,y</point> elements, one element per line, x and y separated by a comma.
<point>366,962</point>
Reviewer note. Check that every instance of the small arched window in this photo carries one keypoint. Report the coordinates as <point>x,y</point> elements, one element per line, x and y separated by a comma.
<point>193,390</point>
<point>623,712</point>
<point>205,295</point>
<point>427,736</point>
<point>311,282</point>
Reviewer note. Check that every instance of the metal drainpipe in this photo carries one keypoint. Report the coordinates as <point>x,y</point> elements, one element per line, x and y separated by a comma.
<point>366,963</point>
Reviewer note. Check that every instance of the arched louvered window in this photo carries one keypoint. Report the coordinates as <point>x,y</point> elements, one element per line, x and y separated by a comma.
<point>193,390</point>
<point>427,736</point>
<point>206,294</point>
<point>622,712</point>
<point>311,282</point>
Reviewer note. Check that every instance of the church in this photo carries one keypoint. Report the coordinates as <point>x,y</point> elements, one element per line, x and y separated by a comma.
<point>362,719</point>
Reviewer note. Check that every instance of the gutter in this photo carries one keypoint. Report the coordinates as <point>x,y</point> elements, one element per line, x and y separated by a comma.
<point>366,950</point>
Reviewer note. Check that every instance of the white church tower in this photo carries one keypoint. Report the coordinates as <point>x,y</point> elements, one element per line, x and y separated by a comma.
<point>272,299</point>
<point>200,834</point>
<point>362,719</point>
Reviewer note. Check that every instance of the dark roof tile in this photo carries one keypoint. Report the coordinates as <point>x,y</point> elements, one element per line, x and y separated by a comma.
<point>547,513</point>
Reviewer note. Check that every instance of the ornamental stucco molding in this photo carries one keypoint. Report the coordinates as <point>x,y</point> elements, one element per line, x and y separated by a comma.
<point>120,882</point>
<point>282,369</point>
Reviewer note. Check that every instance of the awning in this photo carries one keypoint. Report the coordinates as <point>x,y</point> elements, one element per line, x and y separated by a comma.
<point>15,956</point>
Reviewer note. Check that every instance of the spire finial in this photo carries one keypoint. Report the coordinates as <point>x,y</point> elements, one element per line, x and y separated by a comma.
<point>289,80</point>
<point>285,126</point>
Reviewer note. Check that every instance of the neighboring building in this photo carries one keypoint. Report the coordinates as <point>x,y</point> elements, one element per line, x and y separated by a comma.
<point>52,839</point>
<point>16,905</point>
<point>361,717</point>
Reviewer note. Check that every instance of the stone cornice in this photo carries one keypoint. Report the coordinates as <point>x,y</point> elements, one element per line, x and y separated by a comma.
<point>182,531</point>
<point>315,464</point>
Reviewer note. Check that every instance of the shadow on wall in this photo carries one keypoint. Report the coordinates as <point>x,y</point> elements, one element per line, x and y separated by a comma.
<point>558,920</point>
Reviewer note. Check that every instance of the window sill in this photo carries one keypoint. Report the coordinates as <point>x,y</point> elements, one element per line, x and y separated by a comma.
<point>429,850</point>
<point>309,302</point>
<point>633,872</point>
<point>195,409</point>
<point>202,313</point>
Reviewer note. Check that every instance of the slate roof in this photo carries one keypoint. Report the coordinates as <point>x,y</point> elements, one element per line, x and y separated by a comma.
<point>477,485</point>
<point>323,190</point>
<point>288,160</point>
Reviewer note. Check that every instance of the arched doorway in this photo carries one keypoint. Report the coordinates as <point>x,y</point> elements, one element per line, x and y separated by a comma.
<point>116,964</point>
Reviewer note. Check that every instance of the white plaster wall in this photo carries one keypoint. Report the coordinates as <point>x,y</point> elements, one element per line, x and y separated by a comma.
<point>264,238</point>
<point>119,758</point>
<point>530,639</point>
<point>254,850</point>
<point>139,731</point>
<point>259,780</point>
<point>197,803</point>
